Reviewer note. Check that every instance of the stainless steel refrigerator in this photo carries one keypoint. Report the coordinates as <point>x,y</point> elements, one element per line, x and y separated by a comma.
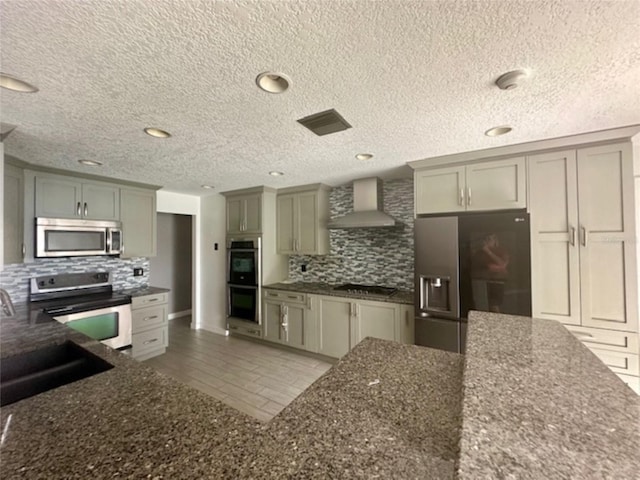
<point>469,261</point>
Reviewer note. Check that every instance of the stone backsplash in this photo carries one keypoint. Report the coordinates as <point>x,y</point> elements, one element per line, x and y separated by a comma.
<point>14,278</point>
<point>372,256</point>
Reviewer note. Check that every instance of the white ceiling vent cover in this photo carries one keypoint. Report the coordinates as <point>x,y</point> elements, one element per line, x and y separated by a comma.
<point>367,207</point>
<point>324,123</point>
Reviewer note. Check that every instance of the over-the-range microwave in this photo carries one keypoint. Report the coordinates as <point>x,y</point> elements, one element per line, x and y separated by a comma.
<point>61,237</point>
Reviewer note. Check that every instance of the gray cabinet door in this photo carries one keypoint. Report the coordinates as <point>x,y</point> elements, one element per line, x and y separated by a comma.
<point>253,214</point>
<point>13,214</point>
<point>295,325</point>
<point>100,202</point>
<point>374,319</point>
<point>334,329</point>
<point>286,219</point>
<point>307,225</point>
<point>235,215</point>
<point>271,321</point>
<point>138,222</point>
<point>58,197</point>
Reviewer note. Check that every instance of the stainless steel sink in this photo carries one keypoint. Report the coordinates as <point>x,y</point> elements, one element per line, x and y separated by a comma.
<point>28,374</point>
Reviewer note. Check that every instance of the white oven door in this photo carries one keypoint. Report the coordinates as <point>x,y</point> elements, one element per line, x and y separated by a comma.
<point>111,325</point>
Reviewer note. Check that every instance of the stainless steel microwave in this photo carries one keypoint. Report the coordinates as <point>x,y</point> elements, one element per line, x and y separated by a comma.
<point>61,237</point>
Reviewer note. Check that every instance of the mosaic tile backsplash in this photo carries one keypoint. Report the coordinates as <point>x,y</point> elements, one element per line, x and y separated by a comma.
<point>371,256</point>
<point>15,277</point>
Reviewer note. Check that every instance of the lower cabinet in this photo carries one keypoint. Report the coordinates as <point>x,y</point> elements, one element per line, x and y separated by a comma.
<point>617,350</point>
<point>332,325</point>
<point>150,331</point>
<point>344,322</point>
<point>289,318</point>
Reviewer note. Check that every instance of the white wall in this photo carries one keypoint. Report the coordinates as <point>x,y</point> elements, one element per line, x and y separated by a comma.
<point>209,297</point>
<point>213,263</point>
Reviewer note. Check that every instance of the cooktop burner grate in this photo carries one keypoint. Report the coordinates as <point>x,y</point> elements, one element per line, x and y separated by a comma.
<point>366,289</point>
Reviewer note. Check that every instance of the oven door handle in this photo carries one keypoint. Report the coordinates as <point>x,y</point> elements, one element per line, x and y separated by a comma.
<point>244,287</point>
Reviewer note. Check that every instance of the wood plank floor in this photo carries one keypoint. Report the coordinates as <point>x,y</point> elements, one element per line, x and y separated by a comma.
<point>256,379</point>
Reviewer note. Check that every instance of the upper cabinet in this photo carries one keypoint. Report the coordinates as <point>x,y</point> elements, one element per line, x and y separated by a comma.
<point>67,197</point>
<point>244,213</point>
<point>14,246</point>
<point>492,185</point>
<point>302,215</point>
<point>583,237</point>
<point>138,219</point>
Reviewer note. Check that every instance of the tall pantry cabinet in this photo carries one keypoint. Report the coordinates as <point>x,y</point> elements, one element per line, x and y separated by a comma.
<point>583,251</point>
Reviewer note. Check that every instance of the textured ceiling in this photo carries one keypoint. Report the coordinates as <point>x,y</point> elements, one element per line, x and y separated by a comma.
<point>414,78</point>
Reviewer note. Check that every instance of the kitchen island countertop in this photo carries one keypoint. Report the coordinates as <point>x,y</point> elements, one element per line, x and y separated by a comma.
<point>527,401</point>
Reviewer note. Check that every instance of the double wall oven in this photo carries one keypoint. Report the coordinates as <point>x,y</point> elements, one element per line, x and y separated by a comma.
<point>243,278</point>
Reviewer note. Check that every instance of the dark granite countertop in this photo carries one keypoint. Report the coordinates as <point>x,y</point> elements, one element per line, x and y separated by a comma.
<point>143,291</point>
<point>539,404</point>
<point>401,296</point>
<point>529,402</point>
<point>132,422</point>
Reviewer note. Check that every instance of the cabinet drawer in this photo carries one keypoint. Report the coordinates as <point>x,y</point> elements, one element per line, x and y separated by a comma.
<point>606,339</point>
<point>252,332</point>
<point>145,318</point>
<point>284,296</point>
<point>633,382</point>
<point>144,342</point>
<point>618,362</point>
<point>148,300</point>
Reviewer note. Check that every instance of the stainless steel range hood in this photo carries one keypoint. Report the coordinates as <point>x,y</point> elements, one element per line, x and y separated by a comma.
<point>367,207</point>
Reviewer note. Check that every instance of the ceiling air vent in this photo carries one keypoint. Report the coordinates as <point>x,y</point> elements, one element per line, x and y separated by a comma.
<point>324,123</point>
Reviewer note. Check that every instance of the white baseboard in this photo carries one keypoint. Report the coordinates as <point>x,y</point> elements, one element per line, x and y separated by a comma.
<point>181,314</point>
<point>218,330</point>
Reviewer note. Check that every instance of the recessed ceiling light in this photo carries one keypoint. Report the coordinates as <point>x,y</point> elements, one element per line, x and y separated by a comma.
<point>509,80</point>
<point>276,174</point>
<point>208,187</point>
<point>273,82</point>
<point>364,156</point>
<point>497,131</point>
<point>12,83</point>
<point>91,163</point>
<point>156,132</point>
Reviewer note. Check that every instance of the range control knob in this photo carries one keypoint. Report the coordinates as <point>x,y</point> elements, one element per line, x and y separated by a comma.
<point>41,283</point>
<point>52,281</point>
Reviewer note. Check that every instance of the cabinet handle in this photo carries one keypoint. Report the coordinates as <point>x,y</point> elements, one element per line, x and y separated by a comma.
<point>582,335</point>
<point>254,332</point>
<point>151,300</point>
<point>572,236</point>
<point>469,196</point>
<point>86,209</point>
<point>309,303</point>
<point>150,318</point>
<point>78,209</point>
<point>24,250</point>
<point>151,341</point>
<point>292,296</point>
<point>461,198</point>
<point>583,236</point>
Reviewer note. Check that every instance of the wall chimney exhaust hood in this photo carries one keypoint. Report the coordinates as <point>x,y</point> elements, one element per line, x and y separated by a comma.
<point>367,207</point>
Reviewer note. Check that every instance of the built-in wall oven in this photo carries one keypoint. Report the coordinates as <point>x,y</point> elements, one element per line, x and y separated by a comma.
<point>243,278</point>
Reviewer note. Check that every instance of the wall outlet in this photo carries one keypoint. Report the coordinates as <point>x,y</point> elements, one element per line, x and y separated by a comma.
<point>138,272</point>
<point>215,246</point>
<point>303,267</point>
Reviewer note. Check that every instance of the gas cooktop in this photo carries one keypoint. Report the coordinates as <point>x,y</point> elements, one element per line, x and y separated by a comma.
<point>366,289</point>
